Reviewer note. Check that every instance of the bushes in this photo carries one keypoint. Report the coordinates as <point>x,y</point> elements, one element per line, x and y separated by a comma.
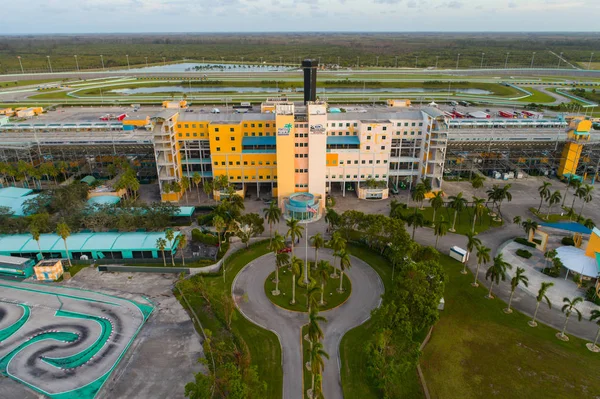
<point>553,271</point>
<point>590,295</point>
<point>568,241</point>
<point>205,220</point>
<point>204,238</point>
<point>523,253</point>
<point>523,241</point>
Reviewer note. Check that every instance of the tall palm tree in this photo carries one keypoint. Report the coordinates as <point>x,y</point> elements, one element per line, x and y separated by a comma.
<point>553,199</point>
<point>437,201</point>
<point>208,188</point>
<point>196,178</point>
<point>315,333</point>
<point>518,278</point>
<point>273,215</point>
<point>415,220</point>
<point>589,223</point>
<point>35,234</point>
<point>296,266</point>
<point>458,203</point>
<point>483,257</point>
<point>170,235</point>
<point>161,244</point>
<point>345,263</point>
<point>544,191</point>
<point>595,315</point>
<point>219,225</point>
<point>294,231</point>
<point>497,272</point>
<point>577,185</point>
<point>568,309</point>
<point>332,218</point>
<point>478,204</point>
<point>323,275</point>
<point>181,244</point>
<point>440,229</point>
<point>281,260</point>
<point>318,242</point>
<point>472,243</point>
<point>63,230</point>
<point>477,181</point>
<point>338,244</point>
<point>585,196</point>
<point>317,353</point>
<point>541,296</point>
<point>517,220</point>
<point>529,225</point>
<point>570,183</point>
<point>185,186</point>
<point>504,194</point>
<point>311,302</point>
<point>418,194</point>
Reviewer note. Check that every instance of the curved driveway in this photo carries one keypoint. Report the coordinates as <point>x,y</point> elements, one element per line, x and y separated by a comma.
<point>367,289</point>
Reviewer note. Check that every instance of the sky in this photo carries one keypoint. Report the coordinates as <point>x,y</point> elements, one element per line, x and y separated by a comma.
<point>107,16</point>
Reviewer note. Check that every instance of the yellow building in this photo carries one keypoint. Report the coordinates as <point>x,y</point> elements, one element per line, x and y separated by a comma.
<point>48,270</point>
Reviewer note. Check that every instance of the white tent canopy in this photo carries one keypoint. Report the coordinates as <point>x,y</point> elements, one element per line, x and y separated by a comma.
<point>576,261</point>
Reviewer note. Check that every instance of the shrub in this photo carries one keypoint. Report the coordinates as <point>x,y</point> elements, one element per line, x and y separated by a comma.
<point>205,220</point>
<point>523,241</point>
<point>204,238</point>
<point>539,242</point>
<point>590,295</point>
<point>551,271</point>
<point>568,241</point>
<point>523,253</point>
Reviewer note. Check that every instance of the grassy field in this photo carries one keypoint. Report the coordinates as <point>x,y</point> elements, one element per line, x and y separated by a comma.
<point>355,383</point>
<point>477,351</point>
<point>263,345</point>
<point>553,217</point>
<point>76,269</point>
<point>332,297</point>
<point>538,97</point>
<point>20,83</point>
<point>464,219</point>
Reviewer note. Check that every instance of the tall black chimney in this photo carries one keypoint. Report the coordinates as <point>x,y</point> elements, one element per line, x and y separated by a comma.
<point>310,80</point>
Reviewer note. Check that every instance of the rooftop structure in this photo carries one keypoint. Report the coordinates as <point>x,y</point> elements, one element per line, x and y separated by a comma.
<point>14,198</point>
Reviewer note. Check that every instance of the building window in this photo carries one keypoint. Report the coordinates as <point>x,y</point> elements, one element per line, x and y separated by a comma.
<point>420,123</point>
<point>368,148</point>
<point>232,149</point>
<point>369,137</point>
<point>405,123</point>
<point>223,163</point>
<point>413,124</point>
<point>187,135</point>
<point>252,163</point>
<point>232,138</point>
<point>370,162</point>
<point>260,125</point>
<point>362,162</point>
<point>369,128</point>
<point>383,137</point>
<point>237,163</point>
<point>377,161</point>
<point>230,163</point>
<point>356,162</point>
<point>245,125</point>
<point>179,126</point>
<point>218,149</point>
<point>216,163</point>
<point>384,128</point>
<point>217,138</point>
<point>216,129</point>
<point>252,125</point>
<point>383,147</point>
<point>245,163</point>
<point>246,134</point>
<point>267,125</point>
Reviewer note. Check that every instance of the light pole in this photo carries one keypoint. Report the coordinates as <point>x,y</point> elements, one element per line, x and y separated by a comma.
<point>457,59</point>
<point>339,61</point>
<point>358,62</point>
<point>506,62</point>
<point>164,62</point>
<point>589,63</point>
<point>396,62</point>
<point>76,62</point>
<point>377,61</point>
<point>127,56</point>
<point>49,63</point>
<point>532,58</point>
<point>482,55</point>
<point>102,59</point>
<point>146,61</point>
<point>280,60</point>
<point>22,71</point>
<point>261,58</point>
<point>437,59</point>
<point>559,60</point>
<point>416,61</point>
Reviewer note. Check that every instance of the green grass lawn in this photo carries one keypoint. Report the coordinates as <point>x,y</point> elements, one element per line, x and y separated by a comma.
<point>477,351</point>
<point>20,83</point>
<point>355,383</point>
<point>332,297</point>
<point>76,269</point>
<point>464,219</point>
<point>537,96</point>
<point>263,345</point>
<point>553,217</point>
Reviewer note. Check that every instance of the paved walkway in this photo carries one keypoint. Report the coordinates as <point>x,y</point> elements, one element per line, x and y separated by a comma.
<point>249,294</point>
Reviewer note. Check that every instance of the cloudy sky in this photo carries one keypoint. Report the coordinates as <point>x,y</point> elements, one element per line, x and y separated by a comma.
<point>82,16</point>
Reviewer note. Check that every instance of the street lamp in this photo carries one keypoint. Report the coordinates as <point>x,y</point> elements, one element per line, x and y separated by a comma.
<point>164,62</point>
<point>76,62</point>
<point>22,71</point>
<point>102,59</point>
<point>482,55</point>
<point>146,61</point>
<point>339,61</point>
<point>396,62</point>
<point>437,59</point>
<point>532,58</point>
<point>506,62</point>
<point>559,60</point>
<point>49,63</point>
<point>457,59</point>
<point>377,61</point>
<point>590,63</point>
<point>127,56</point>
<point>416,61</point>
<point>358,62</point>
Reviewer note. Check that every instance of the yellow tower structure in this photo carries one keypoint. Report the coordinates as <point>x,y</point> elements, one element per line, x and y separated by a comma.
<point>579,131</point>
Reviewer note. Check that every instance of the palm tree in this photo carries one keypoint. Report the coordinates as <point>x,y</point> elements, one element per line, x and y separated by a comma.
<point>504,194</point>
<point>315,333</point>
<point>323,275</point>
<point>338,244</point>
<point>440,230</point>
<point>207,187</point>
<point>571,213</point>
<point>415,220</point>
<point>518,278</point>
<point>219,225</point>
<point>458,203</point>
<point>273,215</point>
<point>296,266</point>
<point>517,220</point>
<point>332,218</point>
<point>529,225</point>
<point>35,234</point>
<point>585,196</point>
<point>344,264</point>
<point>541,296</point>
<point>577,186</point>
<point>170,235</point>
<point>62,229</point>
<point>181,244</point>
<point>316,361</point>
<point>589,223</point>
<point>418,194</point>
<point>472,243</point>
<point>310,297</point>
<point>483,257</point>
<point>437,201</point>
<point>196,178</point>
<point>497,272</point>
<point>185,186</point>
<point>161,244</point>
<point>552,200</point>
<point>318,242</point>
<point>477,181</point>
<point>569,183</point>
<point>294,231</point>
<point>477,210</point>
<point>568,309</point>
<point>544,191</point>
<point>595,315</point>
<point>281,260</point>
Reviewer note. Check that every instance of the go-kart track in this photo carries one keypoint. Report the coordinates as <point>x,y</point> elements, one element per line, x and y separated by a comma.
<point>64,342</point>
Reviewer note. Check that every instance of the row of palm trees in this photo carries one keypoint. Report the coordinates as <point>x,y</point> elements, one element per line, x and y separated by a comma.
<point>161,245</point>
<point>317,352</point>
<point>582,191</point>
